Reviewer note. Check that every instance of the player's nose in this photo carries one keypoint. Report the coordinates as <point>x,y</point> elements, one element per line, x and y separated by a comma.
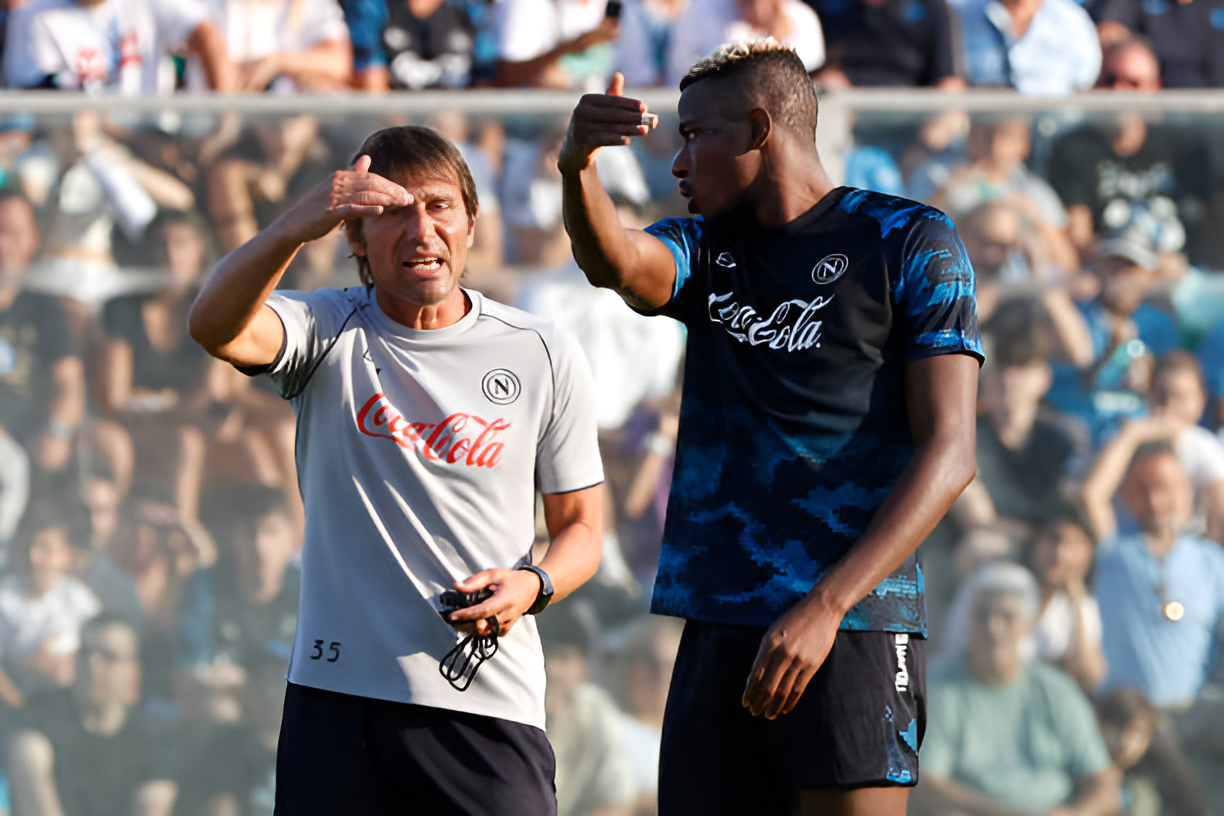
<point>680,164</point>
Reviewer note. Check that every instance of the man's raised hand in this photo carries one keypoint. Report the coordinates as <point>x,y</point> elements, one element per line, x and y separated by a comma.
<point>344,194</point>
<point>602,120</point>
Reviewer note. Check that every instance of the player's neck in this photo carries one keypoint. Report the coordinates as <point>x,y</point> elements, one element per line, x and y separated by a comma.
<point>790,183</point>
<point>416,316</point>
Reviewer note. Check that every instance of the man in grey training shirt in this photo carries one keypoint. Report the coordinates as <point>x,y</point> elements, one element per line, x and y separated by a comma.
<point>428,417</point>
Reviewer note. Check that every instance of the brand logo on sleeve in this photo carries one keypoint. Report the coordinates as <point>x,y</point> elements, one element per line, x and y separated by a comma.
<point>830,268</point>
<point>501,386</point>
<point>459,439</point>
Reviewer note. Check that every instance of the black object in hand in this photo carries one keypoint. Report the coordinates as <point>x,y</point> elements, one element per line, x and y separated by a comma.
<point>453,599</point>
<point>460,664</point>
<point>613,9</point>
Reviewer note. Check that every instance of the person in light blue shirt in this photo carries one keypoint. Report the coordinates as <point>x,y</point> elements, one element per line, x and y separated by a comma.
<point>1161,590</point>
<point>1038,47</point>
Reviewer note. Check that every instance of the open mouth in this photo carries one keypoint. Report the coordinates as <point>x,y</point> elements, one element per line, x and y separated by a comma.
<point>424,264</point>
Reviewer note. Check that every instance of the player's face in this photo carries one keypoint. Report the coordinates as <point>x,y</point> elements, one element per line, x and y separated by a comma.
<point>716,164</point>
<point>418,252</point>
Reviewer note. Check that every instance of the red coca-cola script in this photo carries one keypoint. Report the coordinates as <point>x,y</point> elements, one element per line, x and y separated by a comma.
<point>460,439</point>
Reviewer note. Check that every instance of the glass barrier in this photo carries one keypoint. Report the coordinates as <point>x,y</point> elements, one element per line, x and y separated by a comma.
<point>142,480</point>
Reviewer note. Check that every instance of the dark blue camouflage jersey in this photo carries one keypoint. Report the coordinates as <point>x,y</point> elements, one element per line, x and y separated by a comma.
<point>793,426</point>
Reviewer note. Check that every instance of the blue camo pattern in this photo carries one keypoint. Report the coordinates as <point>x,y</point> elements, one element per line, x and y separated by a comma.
<point>788,447</point>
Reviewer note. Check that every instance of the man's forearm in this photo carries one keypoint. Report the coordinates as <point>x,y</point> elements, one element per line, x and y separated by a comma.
<point>68,405</point>
<point>324,66</point>
<point>601,244</point>
<point>239,286</point>
<point>575,522</point>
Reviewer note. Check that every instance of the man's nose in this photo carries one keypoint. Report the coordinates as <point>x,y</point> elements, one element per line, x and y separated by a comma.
<point>420,226</point>
<point>680,164</point>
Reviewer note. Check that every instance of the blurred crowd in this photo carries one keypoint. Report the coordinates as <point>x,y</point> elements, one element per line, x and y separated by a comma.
<point>149,515</point>
<point>1046,47</point>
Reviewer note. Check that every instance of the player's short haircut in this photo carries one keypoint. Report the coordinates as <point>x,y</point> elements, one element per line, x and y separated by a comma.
<point>772,76</point>
<point>413,150</point>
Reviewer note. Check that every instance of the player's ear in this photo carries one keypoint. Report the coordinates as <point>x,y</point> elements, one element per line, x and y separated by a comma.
<point>761,125</point>
<point>356,241</point>
<point>471,232</point>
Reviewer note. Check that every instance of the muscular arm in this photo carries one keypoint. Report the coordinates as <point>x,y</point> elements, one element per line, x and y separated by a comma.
<point>229,318</point>
<point>635,264</point>
<point>575,528</point>
<point>941,395</point>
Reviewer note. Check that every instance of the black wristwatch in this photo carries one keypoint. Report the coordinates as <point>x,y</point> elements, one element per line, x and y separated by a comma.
<point>546,589</point>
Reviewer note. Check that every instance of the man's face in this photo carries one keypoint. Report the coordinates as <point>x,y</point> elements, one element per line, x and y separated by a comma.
<point>999,621</point>
<point>108,667</point>
<point>1158,494</point>
<point>184,252</point>
<point>18,237</point>
<point>1130,69</point>
<point>1124,285</point>
<point>264,548</point>
<point>417,253</point>
<point>715,164</point>
<point>990,241</point>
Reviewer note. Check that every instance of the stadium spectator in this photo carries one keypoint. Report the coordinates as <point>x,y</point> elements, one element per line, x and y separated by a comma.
<point>365,20</point>
<point>91,750</point>
<point>594,775</point>
<point>645,36</point>
<point>1187,37</point>
<point>114,45</point>
<point>425,44</point>
<point>995,170</point>
<point>1127,335</point>
<point>1155,781</point>
<point>249,599</point>
<point>641,675</point>
<point>42,606</point>
<point>281,45</point>
<point>707,24</point>
<point>1042,47</point>
<point>1006,734</point>
<point>1129,65</point>
<point>1068,628</point>
<point>1101,171</point>
<point>152,373</point>
<point>888,42</point>
<point>1160,590</point>
<point>42,379</point>
<point>562,44</point>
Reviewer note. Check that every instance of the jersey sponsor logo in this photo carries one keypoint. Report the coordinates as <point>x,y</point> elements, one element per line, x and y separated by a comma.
<point>830,268</point>
<point>902,678</point>
<point>460,439</point>
<point>791,326</point>
<point>725,260</point>
<point>501,386</point>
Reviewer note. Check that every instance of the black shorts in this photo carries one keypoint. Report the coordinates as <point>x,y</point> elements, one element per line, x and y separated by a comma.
<point>342,754</point>
<point>858,724</point>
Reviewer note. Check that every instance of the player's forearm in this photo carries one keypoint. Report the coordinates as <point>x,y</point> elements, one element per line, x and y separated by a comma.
<point>575,526</point>
<point>235,293</point>
<point>928,486</point>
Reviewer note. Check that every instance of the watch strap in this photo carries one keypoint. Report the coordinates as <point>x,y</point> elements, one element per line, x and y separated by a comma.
<point>546,589</point>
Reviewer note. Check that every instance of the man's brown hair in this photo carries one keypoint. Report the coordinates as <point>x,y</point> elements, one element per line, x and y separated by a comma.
<point>413,150</point>
<point>773,77</point>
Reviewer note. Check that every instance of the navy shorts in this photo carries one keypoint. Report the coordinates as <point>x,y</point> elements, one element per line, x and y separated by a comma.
<point>343,754</point>
<point>858,724</point>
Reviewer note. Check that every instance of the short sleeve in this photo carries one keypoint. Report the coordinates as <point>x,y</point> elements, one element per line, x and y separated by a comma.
<point>681,236</point>
<point>1072,718</point>
<point>567,457</point>
<point>935,293</point>
<point>1125,12</point>
<point>938,754</point>
<point>177,19</point>
<point>312,322</point>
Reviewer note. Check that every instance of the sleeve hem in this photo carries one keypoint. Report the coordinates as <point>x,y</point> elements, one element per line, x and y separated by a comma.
<point>924,353</point>
<point>255,371</point>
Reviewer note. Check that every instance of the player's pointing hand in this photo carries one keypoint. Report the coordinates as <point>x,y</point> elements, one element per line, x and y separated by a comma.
<point>344,194</point>
<point>602,120</point>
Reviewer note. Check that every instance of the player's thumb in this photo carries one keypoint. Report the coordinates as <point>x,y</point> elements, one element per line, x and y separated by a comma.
<point>362,164</point>
<point>617,88</point>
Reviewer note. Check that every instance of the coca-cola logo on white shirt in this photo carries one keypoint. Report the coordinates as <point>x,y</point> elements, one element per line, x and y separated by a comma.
<point>460,439</point>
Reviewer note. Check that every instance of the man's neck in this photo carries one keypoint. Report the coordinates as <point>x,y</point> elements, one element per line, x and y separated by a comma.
<point>1128,139</point>
<point>791,183</point>
<point>105,719</point>
<point>415,316</point>
<point>1159,544</point>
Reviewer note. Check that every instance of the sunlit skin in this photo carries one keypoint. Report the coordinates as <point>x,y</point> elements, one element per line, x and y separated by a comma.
<point>418,252</point>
